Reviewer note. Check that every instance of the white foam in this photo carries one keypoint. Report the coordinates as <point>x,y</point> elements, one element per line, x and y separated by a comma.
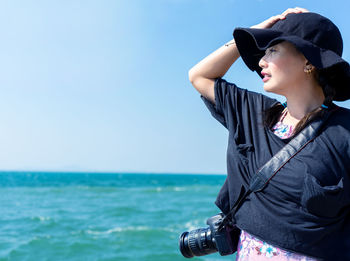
<point>41,218</point>
<point>191,225</point>
<point>44,218</point>
<point>130,228</point>
<point>179,189</point>
<point>118,229</point>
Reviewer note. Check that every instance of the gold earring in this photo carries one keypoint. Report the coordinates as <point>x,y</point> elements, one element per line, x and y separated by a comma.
<point>308,70</point>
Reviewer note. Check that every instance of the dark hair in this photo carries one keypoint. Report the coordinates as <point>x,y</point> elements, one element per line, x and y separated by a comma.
<point>325,78</point>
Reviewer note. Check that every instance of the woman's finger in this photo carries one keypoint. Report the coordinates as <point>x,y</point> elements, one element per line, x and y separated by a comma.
<point>295,10</point>
<point>302,9</point>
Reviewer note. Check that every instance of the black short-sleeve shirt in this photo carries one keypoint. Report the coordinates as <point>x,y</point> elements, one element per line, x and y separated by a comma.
<point>306,207</point>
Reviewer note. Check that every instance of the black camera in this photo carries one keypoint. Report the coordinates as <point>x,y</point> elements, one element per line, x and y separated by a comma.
<point>216,237</point>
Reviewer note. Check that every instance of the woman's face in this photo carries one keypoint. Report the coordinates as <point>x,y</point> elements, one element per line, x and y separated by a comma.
<point>282,68</point>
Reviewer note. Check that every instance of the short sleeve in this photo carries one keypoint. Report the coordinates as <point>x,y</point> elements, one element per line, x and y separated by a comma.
<point>233,104</point>
<point>221,92</point>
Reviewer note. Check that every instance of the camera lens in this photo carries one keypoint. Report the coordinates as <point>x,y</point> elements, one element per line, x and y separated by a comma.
<point>198,242</point>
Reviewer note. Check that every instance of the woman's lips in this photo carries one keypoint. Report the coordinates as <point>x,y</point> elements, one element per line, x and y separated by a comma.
<point>266,76</point>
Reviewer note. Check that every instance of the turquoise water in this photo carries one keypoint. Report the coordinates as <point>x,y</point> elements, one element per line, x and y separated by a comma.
<point>77,216</point>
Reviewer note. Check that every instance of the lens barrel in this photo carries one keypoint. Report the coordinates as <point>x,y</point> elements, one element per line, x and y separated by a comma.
<point>198,242</point>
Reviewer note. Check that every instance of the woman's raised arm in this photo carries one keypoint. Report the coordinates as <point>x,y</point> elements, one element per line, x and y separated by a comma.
<point>215,65</point>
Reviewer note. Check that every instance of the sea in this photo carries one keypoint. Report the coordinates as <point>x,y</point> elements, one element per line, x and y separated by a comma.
<point>103,216</point>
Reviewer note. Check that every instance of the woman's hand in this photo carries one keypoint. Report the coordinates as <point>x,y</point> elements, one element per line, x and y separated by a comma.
<point>272,20</point>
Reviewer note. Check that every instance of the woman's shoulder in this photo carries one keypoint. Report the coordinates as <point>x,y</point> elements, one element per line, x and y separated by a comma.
<point>238,93</point>
<point>341,117</point>
<point>337,127</point>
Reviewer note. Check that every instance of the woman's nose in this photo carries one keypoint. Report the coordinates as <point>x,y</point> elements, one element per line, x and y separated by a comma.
<point>262,62</point>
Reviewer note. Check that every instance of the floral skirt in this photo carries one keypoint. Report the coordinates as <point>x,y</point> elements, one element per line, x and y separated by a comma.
<point>251,248</point>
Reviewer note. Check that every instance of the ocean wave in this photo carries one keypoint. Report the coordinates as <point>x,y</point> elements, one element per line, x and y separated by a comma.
<point>180,189</point>
<point>26,243</point>
<point>194,224</point>
<point>192,188</point>
<point>40,218</point>
<point>118,229</point>
<point>127,229</point>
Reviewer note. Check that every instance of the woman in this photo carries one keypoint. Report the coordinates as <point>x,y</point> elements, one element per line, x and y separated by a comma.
<point>303,213</point>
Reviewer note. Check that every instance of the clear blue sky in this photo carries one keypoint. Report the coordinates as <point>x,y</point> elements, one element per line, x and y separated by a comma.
<point>102,85</point>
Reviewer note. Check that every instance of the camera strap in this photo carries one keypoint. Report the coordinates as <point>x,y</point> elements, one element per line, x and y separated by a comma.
<point>259,181</point>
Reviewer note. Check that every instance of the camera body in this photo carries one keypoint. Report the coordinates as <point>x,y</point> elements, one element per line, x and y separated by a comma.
<point>215,238</point>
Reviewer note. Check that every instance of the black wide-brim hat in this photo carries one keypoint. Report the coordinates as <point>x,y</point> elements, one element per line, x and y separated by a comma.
<point>315,36</point>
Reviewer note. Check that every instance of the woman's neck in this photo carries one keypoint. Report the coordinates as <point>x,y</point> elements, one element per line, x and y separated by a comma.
<point>300,104</point>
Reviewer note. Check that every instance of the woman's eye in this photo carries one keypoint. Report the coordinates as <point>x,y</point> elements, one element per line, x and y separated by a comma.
<point>271,50</point>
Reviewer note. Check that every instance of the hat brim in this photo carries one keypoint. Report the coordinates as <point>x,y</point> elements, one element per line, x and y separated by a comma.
<point>252,43</point>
